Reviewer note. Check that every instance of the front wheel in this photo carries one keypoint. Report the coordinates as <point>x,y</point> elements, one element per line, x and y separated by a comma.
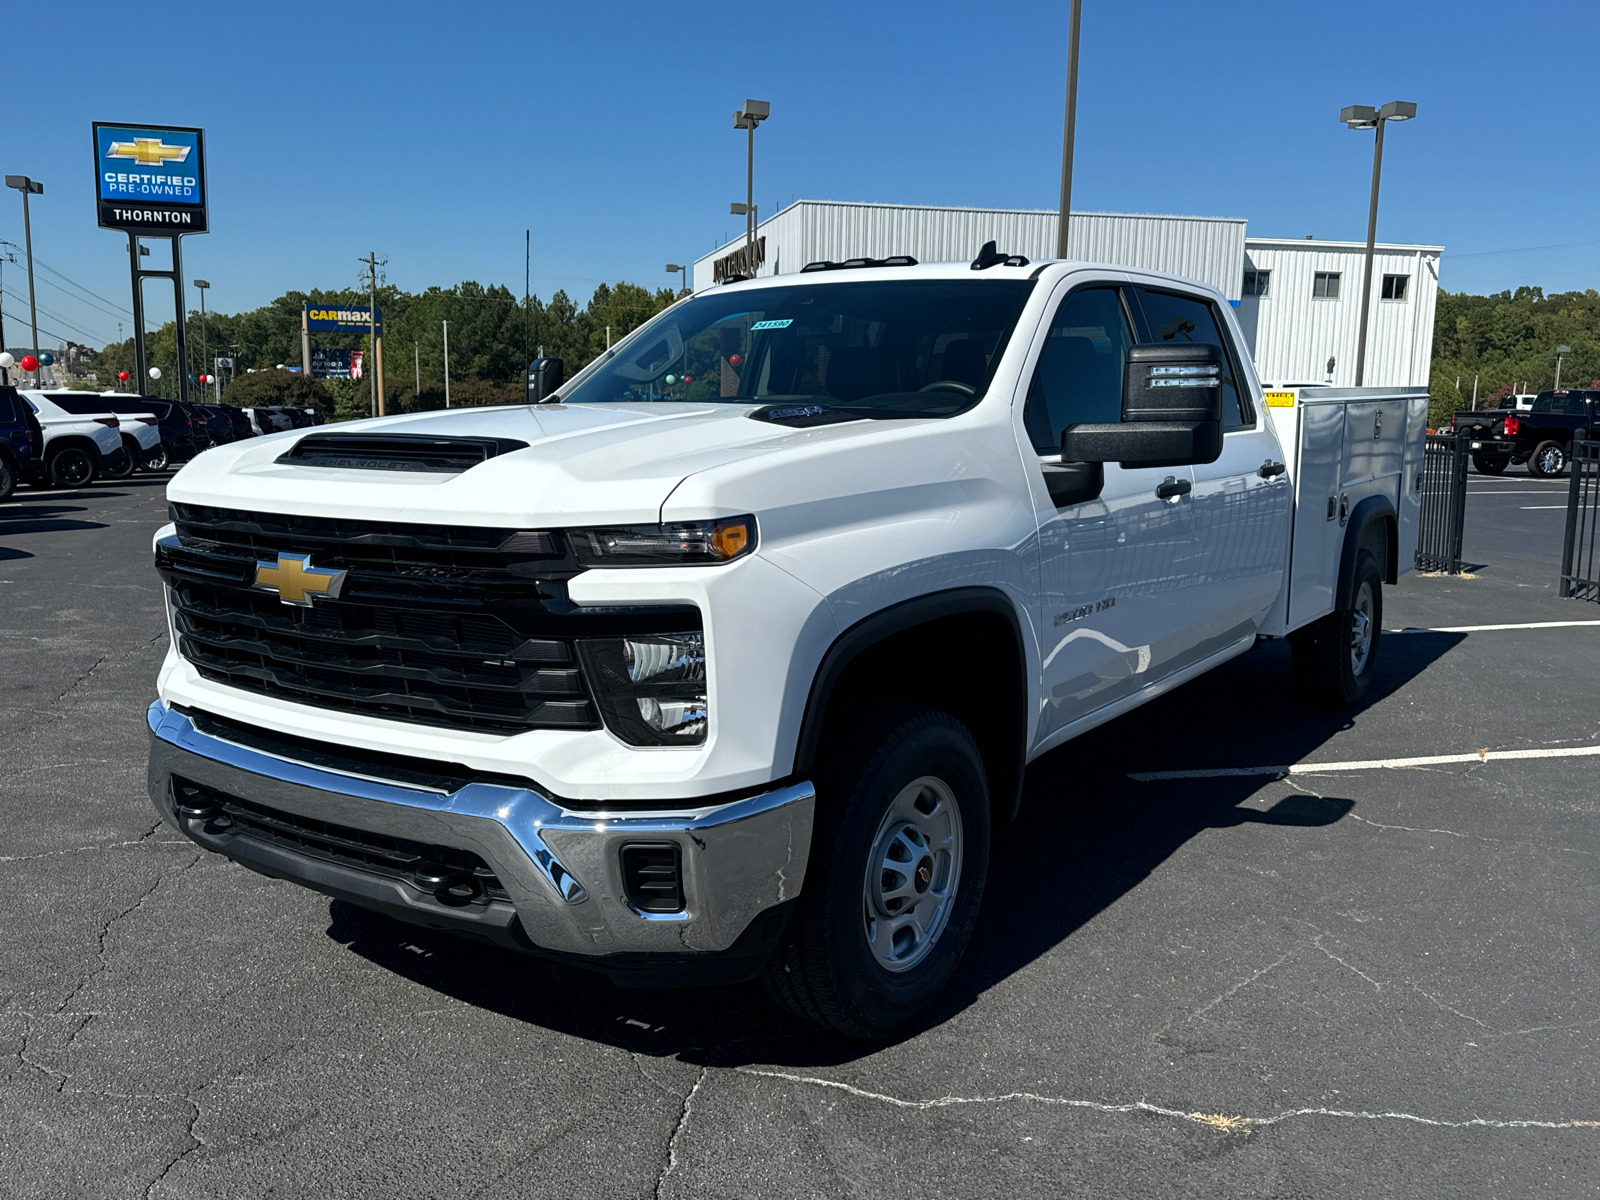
<point>71,468</point>
<point>1490,464</point>
<point>1549,460</point>
<point>158,459</point>
<point>1334,657</point>
<point>898,861</point>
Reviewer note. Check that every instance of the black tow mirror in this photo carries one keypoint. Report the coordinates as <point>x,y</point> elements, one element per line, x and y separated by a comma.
<point>1171,411</point>
<point>545,375</point>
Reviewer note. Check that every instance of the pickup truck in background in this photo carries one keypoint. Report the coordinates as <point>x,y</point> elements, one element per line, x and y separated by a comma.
<point>1541,436</point>
<point>724,659</point>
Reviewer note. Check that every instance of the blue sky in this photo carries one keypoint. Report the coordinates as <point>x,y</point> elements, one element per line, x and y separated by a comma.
<point>435,134</point>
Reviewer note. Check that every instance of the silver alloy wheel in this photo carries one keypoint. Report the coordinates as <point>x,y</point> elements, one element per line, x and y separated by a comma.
<point>1552,461</point>
<point>1361,629</point>
<point>910,885</point>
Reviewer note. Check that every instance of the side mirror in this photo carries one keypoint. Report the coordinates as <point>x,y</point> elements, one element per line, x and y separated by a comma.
<point>544,377</point>
<point>1171,411</point>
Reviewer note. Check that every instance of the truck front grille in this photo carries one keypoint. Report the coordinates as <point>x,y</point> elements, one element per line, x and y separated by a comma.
<point>434,625</point>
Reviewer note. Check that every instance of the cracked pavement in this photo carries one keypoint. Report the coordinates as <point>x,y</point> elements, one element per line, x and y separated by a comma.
<point>1370,983</point>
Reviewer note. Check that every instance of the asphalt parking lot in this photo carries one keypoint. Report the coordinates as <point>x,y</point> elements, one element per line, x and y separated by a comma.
<point>1191,978</point>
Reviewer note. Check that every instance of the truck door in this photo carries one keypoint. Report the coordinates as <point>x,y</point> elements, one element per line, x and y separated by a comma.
<point>1110,601</point>
<point>1242,503</point>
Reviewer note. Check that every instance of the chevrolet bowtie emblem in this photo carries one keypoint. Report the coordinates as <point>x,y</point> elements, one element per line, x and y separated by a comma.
<point>296,580</point>
<point>149,152</point>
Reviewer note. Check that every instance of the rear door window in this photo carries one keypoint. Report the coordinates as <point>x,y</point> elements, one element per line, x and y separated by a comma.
<point>1079,376</point>
<point>1167,317</point>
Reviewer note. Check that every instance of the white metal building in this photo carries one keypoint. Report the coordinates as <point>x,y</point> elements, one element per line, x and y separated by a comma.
<point>1294,327</point>
<point>1301,311</point>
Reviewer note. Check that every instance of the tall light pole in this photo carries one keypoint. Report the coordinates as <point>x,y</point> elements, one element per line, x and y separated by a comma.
<point>29,187</point>
<point>446,325</point>
<point>747,117</point>
<point>675,268</point>
<point>1363,116</point>
<point>1561,352</point>
<point>204,287</point>
<point>1068,133</point>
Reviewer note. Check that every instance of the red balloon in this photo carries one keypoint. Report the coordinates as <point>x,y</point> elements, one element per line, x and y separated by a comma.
<point>122,375</point>
<point>688,378</point>
<point>29,363</point>
<point>734,360</point>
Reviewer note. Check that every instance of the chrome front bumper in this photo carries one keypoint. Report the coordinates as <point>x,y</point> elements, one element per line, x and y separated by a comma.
<point>561,868</point>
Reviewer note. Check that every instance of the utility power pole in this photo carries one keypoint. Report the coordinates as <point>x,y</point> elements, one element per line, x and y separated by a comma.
<point>527,286</point>
<point>376,365</point>
<point>416,350</point>
<point>1067,135</point>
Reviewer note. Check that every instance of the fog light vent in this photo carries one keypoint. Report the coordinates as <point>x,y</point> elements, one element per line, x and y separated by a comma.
<point>652,876</point>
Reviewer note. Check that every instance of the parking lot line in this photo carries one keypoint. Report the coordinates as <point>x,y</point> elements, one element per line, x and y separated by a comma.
<point>1490,628</point>
<point>1370,764</point>
<point>1532,507</point>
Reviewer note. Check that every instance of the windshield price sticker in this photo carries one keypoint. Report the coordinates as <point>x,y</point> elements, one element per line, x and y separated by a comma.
<point>783,324</point>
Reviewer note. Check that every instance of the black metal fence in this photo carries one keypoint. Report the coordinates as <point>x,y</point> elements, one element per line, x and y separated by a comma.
<point>1580,574</point>
<point>1443,486</point>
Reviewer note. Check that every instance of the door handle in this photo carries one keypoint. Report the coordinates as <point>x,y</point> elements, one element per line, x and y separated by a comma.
<point>1170,488</point>
<point>1269,468</point>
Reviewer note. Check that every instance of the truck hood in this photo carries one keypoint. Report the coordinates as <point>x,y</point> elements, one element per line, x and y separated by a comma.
<point>584,464</point>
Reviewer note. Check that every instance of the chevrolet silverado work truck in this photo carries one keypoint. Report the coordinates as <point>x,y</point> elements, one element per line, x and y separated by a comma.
<point>725,658</point>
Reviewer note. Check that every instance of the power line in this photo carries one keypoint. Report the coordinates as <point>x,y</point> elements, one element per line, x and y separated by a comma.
<point>1523,250</point>
<point>57,316</point>
<point>38,262</point>
<point>115,316</point>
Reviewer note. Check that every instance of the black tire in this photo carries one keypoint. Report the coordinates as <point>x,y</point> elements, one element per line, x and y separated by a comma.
<point>8,478</point>
<point>129,460</point>
<point>159,459</point>
<point>72,467</point>
<point>1548,461</point>
<point>1329,666</point>
<point>825,970</point>
<point>1490,464</point>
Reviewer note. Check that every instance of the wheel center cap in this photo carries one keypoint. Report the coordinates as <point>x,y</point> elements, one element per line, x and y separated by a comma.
<point>924,875</point>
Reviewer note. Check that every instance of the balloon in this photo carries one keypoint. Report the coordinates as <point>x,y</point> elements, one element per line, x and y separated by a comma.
<point>155,372</point>
<point>122,375</point>
<point>6,360</point>
<point>688,378</point>
<point>29,363</point>
<point>671,379</point>
<point>734,360</point>
<point>46,360</point>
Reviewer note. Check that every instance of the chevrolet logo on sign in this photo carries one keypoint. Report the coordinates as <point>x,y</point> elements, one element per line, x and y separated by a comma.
<point>149,151</point>
<point>296,580</point>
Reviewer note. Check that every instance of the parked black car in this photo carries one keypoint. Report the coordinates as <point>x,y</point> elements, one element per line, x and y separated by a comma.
<point>21,440</point>
<point>1541,437</point>
<point>219,429</point>
<point>180,440</point>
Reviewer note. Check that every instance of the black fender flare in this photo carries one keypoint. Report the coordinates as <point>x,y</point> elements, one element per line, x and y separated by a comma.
<point>1373,509</point>
<point>897,618</point>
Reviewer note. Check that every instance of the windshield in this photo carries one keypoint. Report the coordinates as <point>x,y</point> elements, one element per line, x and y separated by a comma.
<point>903,348</point>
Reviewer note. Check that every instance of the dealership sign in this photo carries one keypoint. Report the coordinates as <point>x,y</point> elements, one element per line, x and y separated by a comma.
<point>150,179</point>
<point>359,320</point>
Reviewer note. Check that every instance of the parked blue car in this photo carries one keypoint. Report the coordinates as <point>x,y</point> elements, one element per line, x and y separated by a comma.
<point>21,441</point>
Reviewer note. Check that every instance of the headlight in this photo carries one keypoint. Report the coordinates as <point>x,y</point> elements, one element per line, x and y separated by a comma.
<point>683,543</point>
<point>651,688</point>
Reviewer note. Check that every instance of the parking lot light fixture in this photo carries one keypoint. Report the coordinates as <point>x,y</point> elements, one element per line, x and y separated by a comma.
<point>29,187</point>
<point>1364,116</point>
<point>676,268</point>
<point>1561,352</point>
<point>204,286</point>
<point>747,117</point>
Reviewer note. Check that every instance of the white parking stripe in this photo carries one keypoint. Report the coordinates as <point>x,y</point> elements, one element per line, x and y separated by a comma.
<point>1370,764</point>
<point>1535,507</point>
<point>1490,628</point>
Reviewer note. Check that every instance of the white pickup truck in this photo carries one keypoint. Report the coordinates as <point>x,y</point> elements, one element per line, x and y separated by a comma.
<point>724,659</point>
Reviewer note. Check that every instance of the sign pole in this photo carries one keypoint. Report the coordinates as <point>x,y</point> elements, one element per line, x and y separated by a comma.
<point>305,341</point>
<point>138,311</point>
<point>183,319</point>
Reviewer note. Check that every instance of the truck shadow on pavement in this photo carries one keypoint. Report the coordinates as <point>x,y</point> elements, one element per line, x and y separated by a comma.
<point>1087,835</point>
<point>17,519</point>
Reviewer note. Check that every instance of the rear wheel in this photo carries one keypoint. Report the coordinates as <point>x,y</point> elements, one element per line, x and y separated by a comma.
<point>158,459</point>
<point>1549,460</point>
<point>1334,657</point>
<point>126,464</point>
<point>8,478</point>
<point>72,467</point>
<point>899,855</point>
<point>1490,464</point>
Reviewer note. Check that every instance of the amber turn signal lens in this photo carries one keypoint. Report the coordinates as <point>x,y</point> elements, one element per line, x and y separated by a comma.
<point>730,538</point>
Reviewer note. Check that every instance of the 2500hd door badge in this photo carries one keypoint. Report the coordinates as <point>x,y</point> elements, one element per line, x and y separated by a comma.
<point>1078,614</point>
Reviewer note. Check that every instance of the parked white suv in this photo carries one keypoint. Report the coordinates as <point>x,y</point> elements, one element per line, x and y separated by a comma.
<point>138,426</point>
<point>725,659</point>
<point>78,446</point>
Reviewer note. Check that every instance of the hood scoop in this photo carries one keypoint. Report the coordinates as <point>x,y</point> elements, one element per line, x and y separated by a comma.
<point>396,452</point>
<point>801,416</point>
